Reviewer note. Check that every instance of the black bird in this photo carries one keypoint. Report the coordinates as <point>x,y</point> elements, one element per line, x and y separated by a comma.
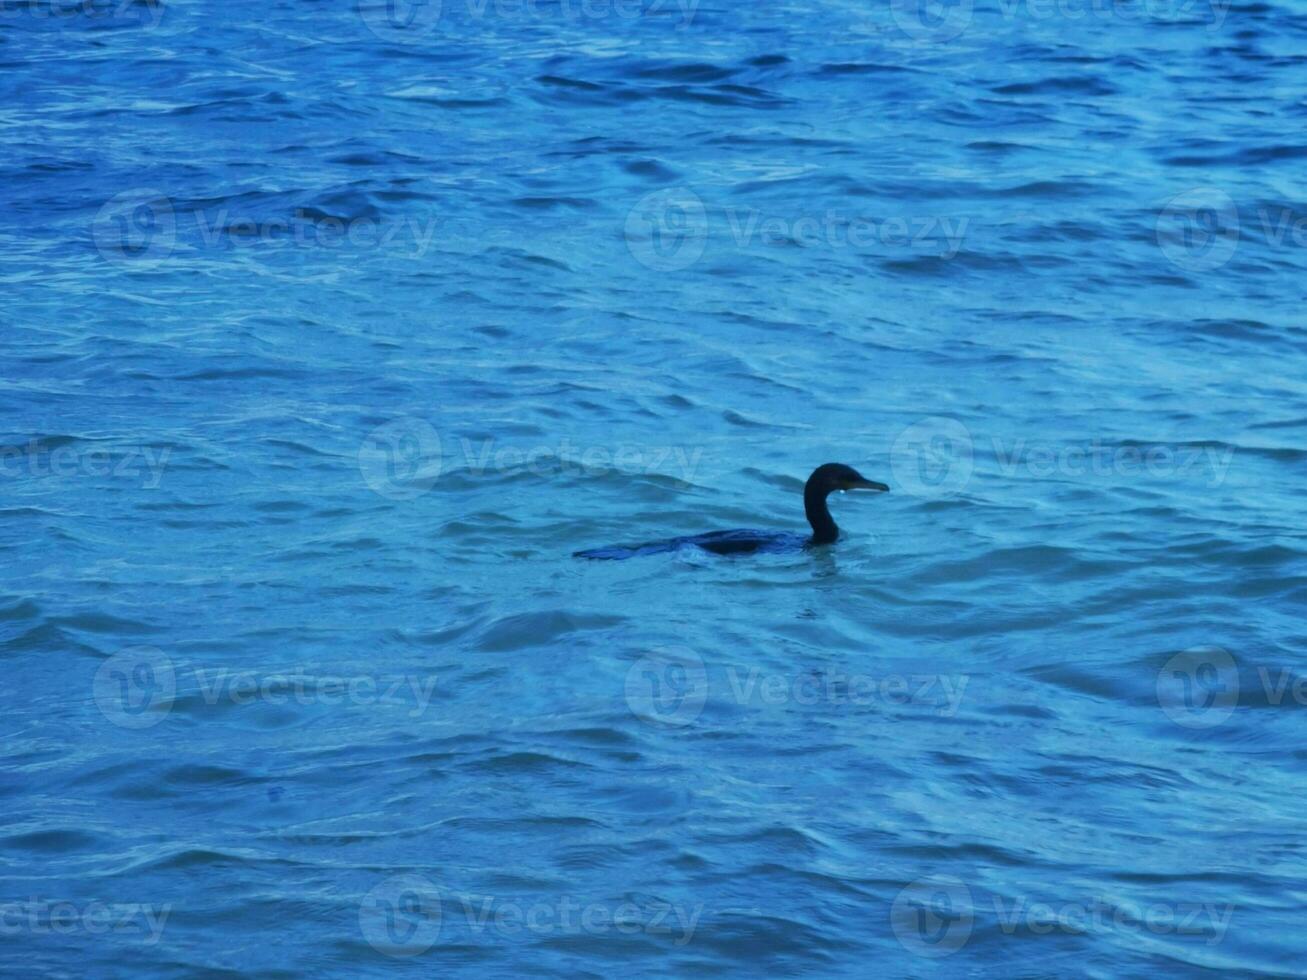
<point>825,480</point>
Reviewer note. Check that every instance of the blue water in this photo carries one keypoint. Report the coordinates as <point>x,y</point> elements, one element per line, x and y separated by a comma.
<point>326,342</point>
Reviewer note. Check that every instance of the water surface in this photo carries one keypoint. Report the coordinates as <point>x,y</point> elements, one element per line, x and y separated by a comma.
<point>327,343</point>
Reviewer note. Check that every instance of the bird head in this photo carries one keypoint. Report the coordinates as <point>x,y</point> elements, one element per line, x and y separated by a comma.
<point>830,477</point>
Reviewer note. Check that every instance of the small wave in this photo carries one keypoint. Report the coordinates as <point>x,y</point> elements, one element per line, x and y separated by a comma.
<point>539,628</point>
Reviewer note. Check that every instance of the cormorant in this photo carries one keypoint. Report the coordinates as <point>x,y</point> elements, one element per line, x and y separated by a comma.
<point>825,480</point>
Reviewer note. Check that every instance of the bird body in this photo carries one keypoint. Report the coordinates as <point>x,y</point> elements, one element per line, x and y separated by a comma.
<point>825,480</point>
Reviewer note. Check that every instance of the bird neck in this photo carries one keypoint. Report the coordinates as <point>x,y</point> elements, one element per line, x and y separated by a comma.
<point>824,530</point>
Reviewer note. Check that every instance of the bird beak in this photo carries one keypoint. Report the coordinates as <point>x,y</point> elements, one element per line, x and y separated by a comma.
<point>861,484</point>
